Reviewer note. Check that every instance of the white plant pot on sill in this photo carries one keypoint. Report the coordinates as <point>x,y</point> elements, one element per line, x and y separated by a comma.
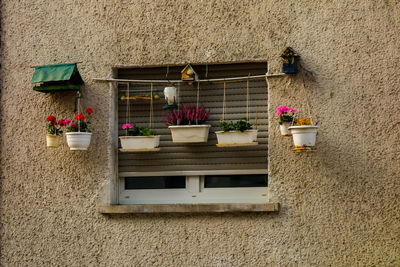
<point>78,140</point>
<point>304,136</point>
<point>190,133</point>
<point>284,127</point>
<point>237,138</point>
<point>139,143</point>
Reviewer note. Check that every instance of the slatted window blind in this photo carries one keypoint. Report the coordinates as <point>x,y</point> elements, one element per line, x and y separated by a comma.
<point>174,157</point>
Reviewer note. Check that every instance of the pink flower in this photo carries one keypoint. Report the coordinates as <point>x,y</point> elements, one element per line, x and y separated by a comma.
<point>126,125</point>
<point>72,124</point>
<point>284,110</point>
<point>67,121</point>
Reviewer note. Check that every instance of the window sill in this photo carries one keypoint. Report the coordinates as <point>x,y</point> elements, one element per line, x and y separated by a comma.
<point>189,208</point>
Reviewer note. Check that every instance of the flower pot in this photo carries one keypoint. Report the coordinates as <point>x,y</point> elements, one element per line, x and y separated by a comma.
<point>285,129</point>
<point>139,142</point>
<point>304,136</point>
<point>78,140</point>
<point>190,133</point>
<point>232,138</point>
<point>53,140</point>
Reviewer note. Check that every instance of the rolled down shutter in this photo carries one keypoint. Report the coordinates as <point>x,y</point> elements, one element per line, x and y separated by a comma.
<point>186,158</point>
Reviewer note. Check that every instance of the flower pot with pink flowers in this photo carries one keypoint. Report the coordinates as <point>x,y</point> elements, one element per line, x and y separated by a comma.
<point>138,139</point>
<point>187,124</point>
<point>286,117</point>
<point>54,131</point>
<point>79,133</point>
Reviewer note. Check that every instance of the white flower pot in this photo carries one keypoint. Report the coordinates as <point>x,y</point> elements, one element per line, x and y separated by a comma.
<point>139,142</point>
<point>236,137</point>
<point>304,136</point>
<point>190,133</point>
<point>285,129</point>
<point>78,140</point>
<point>53,140</point>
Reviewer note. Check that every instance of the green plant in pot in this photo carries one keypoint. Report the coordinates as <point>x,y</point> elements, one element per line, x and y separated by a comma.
<point>237,133</point>
<point>137,138</point>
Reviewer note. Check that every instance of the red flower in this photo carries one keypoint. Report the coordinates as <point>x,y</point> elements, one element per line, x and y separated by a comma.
<point>61,122</point>
<point>80,117</point>
<point>51,119</point>
<point>89,111</point>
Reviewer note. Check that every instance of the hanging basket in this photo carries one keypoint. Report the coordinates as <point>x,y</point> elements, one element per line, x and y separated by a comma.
<point>78,140</point>
<point>190,133</point>
<point>53,141</point>
<point>237,138</point>
<point>139,143</point>
<point>304,137</point>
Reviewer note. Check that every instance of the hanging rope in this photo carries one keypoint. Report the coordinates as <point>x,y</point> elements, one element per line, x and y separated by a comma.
<point>247,100</point>
<point>307,101</point>
<point>198,97</point>
<point>128,112</point>
<point>224,103</point>
<point>151,107</point>
<point>79,110</point>
<point>179,87</point>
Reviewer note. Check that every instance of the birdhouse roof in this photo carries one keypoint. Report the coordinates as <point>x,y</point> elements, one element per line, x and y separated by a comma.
<point>288,52</point>
<point>186,67</point>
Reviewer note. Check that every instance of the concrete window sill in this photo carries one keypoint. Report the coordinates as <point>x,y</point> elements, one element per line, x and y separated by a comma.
<point>188,208</point>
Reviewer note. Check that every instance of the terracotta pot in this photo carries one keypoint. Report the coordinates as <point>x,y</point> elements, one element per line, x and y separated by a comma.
<point>53,141</point>
<point>190,133</point>
<point>78,140</point>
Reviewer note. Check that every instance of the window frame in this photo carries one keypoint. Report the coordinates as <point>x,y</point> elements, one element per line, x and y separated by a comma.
<point>117,193</point>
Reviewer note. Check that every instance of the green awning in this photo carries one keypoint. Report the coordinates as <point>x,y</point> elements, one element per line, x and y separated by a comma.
<point>58,77</point>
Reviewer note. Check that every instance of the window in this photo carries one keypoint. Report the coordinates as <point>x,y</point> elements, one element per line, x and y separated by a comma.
<point>196,173</point>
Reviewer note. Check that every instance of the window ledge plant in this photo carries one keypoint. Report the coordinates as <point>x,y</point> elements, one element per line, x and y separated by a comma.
<point>138,138</point>
<point>187,124</point>
<point>79,133</point>
<point>236,134</point>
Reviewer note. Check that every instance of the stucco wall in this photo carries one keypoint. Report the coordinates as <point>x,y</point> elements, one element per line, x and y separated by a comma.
<point>340,205</point>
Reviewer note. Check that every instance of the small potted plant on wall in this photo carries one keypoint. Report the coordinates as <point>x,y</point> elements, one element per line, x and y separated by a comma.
<point>187,124</point>
<point>304,135</point>
<point>54,131</point>
<point>138,138</point>
<point>286,117</point>
<point>78,131</point>
<point>236,134</point>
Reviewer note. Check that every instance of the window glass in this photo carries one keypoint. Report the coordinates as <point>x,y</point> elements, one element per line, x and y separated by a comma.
<point>217,181</point>
<point>155,182</point>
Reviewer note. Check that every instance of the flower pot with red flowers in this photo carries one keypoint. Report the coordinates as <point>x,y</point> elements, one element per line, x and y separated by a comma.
<point>54,131</point>
<point>187,124</point>
<point>78,131</point>
<point>286,117</point>
<point>138,139</point>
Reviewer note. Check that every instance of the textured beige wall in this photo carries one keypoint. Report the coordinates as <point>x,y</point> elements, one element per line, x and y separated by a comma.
<point>340,205</point>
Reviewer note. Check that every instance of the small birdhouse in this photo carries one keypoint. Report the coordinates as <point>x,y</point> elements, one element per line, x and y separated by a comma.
<point>290,59</point>
<point>189,74</point>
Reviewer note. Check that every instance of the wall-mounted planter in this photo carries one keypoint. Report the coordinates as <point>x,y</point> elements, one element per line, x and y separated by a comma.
<point>284,127</point>
<point>53,141</point>
<point>237,138</point>
<point>304,137</point>
<point>139,143</point>
<point>78,140</point>
<point>190,133</point>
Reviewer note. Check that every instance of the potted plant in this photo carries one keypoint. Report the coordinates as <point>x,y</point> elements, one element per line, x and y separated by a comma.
<point>78,131</point>
<point>236,134</point>
<point>304,135</point>
<point>187,124</point>
<point>138,138</point>
<point>286,116</point>
<point>54,131</point>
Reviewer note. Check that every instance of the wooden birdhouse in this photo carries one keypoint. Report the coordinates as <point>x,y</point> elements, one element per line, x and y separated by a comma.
<point>189,74</point>
<point>290,60</point>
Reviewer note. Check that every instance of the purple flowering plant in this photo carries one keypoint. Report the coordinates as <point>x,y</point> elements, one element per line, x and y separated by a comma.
<point>188,115</point>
